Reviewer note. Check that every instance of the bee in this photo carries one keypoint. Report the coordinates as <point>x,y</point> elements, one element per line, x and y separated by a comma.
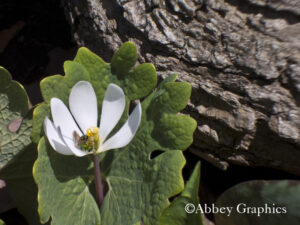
<point>82,142</point>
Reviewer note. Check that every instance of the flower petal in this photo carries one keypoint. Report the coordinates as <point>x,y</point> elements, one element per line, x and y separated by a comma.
<point>55,139</point>
<point>112,109</point>
<point>64,121</point>
<point>83,105</point>
<point>126,133</point>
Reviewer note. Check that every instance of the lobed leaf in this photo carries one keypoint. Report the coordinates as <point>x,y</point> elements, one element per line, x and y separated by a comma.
<point>138,187</point>
<point>124,59</point>
<point>17,152</point>
<point>175,213</point>
<point>63,183</point>
<point>60,86</point>
<point>141,81</point>
<point>14,130</point>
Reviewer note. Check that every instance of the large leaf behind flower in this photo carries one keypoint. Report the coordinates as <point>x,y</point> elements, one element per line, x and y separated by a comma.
<point>17,152</point>
<point>14,132</point>
<point>138,186</point>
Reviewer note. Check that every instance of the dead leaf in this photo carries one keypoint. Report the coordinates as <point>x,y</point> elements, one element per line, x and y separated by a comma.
<point>15,124</point>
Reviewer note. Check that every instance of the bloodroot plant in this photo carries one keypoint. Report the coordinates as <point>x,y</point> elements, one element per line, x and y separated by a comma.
<point>55,161</point>
<point>68,138</point>
<point>55,158</point>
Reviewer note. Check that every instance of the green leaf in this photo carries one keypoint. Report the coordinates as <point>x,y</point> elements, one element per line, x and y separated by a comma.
<point>140,81</point>
<point>124,59</point>
<point>2,222</point>
<point>138,187</point>
<point>139,190</point>
<point>172,97</point>
<point>136,84</point>
<point>63,183</point>
<point>60,86</point>
<point>14,130</point>
<point>264,196</point>
<point>18,173</point>
<point>175,214</point>
<point>138,223</point>
<point>170,78</point>
<point>175,131</point>
<point>40,112</point>
<point>17,97</point>
<point>20,183</point>
<point>191,188</point>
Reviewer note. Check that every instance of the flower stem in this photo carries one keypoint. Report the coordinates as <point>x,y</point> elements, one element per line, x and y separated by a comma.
<point>98,183</point>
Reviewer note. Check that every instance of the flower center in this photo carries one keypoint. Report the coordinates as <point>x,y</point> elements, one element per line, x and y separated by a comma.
<point>90,141</point>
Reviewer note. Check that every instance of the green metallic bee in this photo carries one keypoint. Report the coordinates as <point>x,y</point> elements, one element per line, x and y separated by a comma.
<point>90,141</point>
<point>82,142</point>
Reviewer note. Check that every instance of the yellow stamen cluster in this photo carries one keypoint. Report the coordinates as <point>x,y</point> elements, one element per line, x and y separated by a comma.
<point>93,131</point>
<point>93,137</point>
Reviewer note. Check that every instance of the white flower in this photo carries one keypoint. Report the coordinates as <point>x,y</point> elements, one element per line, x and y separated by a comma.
<point>82,120</point>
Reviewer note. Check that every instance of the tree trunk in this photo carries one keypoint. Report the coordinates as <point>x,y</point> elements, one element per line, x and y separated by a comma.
<point>242,59</point>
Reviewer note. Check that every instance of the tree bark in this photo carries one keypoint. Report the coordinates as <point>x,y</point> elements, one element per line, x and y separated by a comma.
<point>242,59</point>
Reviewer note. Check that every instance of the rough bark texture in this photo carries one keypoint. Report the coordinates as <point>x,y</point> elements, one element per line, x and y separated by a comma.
<point>242,59</point>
